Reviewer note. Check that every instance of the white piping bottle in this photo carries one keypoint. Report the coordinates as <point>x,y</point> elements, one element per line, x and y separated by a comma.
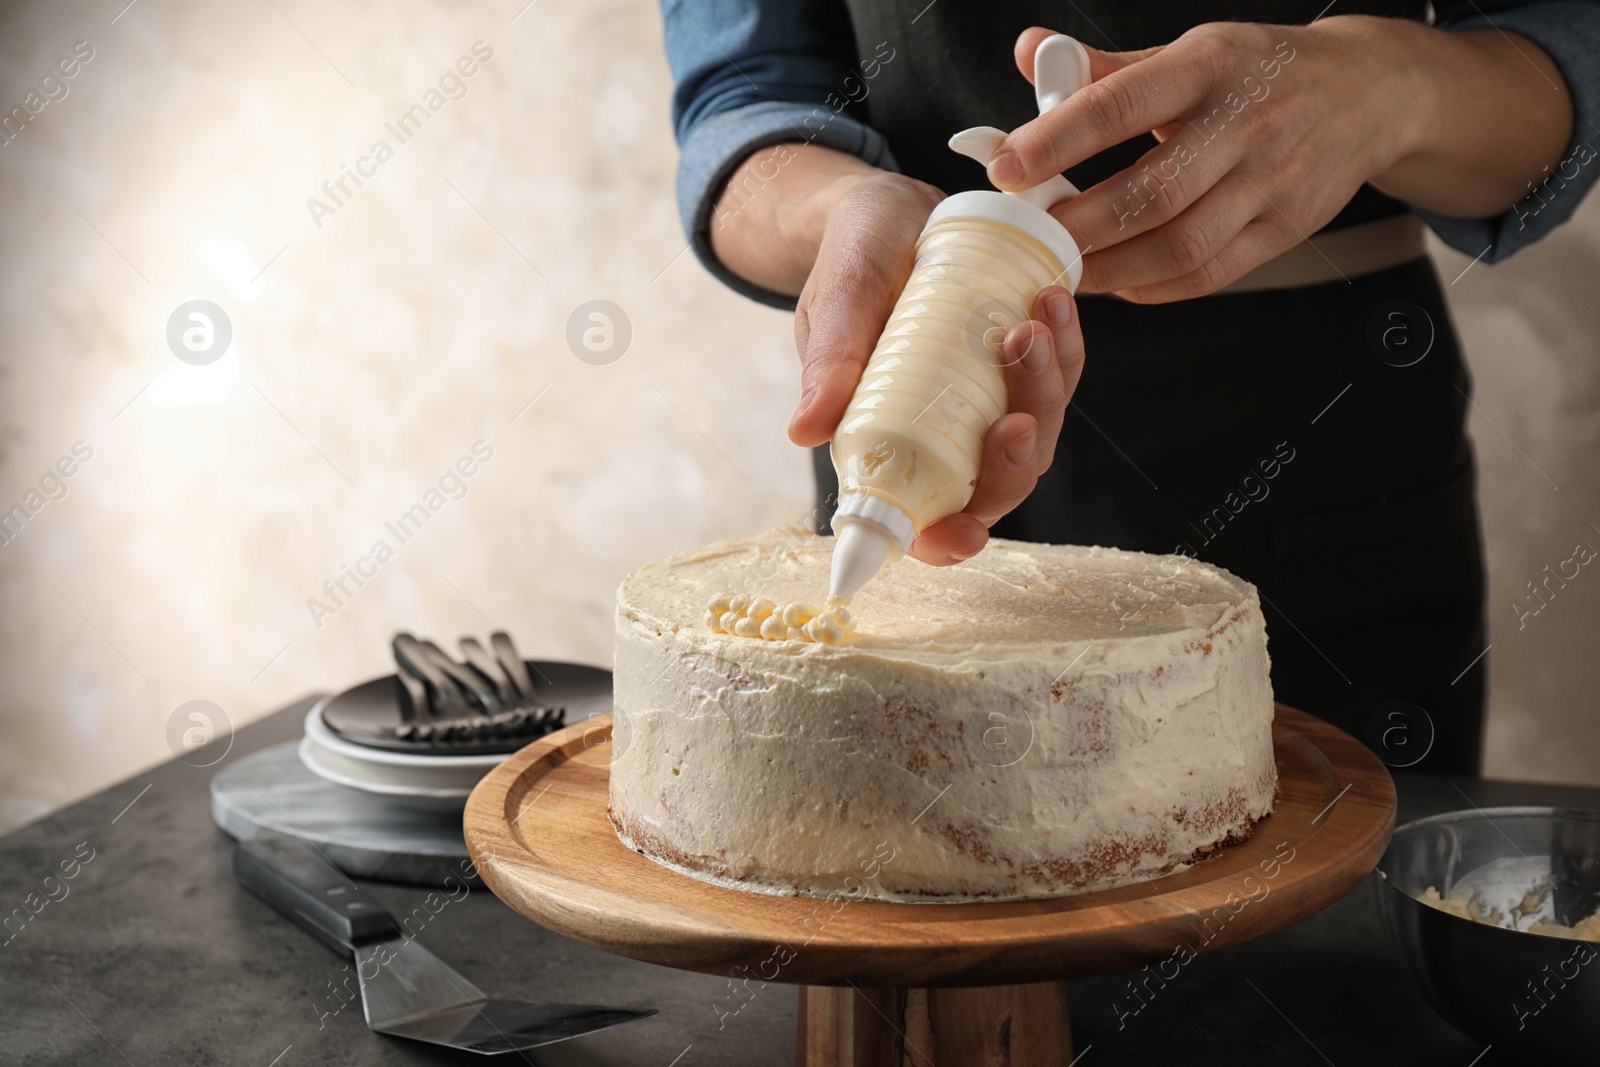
<point>908,448</point>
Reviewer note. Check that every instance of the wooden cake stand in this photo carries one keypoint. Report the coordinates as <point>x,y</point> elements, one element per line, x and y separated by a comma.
<point>915,984</point>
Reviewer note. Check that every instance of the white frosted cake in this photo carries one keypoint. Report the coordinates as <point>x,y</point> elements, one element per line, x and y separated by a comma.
<point>1037,721</point>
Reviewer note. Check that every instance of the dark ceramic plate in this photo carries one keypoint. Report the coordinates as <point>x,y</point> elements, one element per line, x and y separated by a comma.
<point>369,714</point>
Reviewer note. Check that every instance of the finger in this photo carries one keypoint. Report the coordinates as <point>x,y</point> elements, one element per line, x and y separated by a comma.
<point>1125,103</point>
<point>861,266</point>
<point>1262,239</point>
<point>1159,187</point>
<point>1100,63</point>
<point>1058,309</point>
<point>1046,360</point>
<point>1009,467</point>
<point>1033,386</point>
<point>1184,244</point>
<point>950,540</point>
<point>1006,477</point>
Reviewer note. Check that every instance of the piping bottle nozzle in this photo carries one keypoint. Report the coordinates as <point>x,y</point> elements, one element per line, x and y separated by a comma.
<point>871,533</point>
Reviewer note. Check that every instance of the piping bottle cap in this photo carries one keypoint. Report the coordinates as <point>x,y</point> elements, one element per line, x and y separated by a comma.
<point>1060,68</point>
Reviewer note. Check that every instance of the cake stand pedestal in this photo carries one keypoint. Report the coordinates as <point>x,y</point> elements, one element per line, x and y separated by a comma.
<point>914,984</point>
<point>985,1026</point>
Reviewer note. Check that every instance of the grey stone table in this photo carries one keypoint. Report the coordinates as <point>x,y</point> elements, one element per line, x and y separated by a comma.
<point>151,955</point>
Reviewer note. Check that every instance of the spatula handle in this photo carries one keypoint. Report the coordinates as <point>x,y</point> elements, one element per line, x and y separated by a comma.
<point>295,879</point>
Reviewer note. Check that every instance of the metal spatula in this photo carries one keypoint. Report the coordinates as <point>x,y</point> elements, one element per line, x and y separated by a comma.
<point>406,990</point>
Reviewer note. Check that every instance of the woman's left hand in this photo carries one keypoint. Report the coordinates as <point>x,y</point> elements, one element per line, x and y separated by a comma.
<point>1265,133</point>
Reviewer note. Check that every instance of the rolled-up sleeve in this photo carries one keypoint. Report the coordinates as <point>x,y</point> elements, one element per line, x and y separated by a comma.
<point>1569,30</point>
<point>748,75</point>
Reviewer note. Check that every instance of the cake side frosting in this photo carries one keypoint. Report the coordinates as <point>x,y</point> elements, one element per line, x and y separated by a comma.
<point>1036,721</point>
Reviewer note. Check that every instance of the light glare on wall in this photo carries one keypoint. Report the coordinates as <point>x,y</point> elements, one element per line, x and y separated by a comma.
<point>229,260</point>
<point>183,385</point>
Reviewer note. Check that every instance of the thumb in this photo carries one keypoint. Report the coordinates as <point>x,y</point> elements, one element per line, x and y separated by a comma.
<point>837,322</point>
<point>1100,63</point>
<point>867,253</point>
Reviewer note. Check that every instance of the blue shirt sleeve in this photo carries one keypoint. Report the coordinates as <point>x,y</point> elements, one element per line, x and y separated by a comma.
<point>750,75</point>
<point>1569,30</point>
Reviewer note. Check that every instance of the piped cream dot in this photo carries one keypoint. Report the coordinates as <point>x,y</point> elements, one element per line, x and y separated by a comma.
<point>758,617</point>
<point>823,629</point>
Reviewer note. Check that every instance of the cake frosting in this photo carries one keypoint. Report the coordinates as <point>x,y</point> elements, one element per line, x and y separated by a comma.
<point>1036,721</point>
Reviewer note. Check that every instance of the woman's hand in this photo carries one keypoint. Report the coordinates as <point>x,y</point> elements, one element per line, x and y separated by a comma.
<point>1267,131</point>
<point>866,253</point>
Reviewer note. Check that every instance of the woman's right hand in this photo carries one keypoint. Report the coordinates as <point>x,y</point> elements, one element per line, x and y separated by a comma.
<point>866,254</point>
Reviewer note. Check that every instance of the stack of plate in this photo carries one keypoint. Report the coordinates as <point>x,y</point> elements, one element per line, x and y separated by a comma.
<point>427,783</point>
<point>351,739</point>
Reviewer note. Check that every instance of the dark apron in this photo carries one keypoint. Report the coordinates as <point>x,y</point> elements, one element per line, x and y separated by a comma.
<point>1264,432</point>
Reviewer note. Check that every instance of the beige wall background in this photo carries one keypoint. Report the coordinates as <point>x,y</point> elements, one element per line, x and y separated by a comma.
<point>429,312</point>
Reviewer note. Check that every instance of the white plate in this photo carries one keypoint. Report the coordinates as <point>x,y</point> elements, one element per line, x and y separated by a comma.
<point>357,776</point>
<point>433,782</point>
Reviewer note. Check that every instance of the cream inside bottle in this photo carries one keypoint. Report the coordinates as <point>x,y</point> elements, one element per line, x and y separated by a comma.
<point>908,449</point>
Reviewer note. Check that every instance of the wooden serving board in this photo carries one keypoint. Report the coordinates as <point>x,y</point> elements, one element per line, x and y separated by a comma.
<point>536,827</point>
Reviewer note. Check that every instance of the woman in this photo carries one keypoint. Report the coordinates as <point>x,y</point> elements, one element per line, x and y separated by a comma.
<point>1292,410</point>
